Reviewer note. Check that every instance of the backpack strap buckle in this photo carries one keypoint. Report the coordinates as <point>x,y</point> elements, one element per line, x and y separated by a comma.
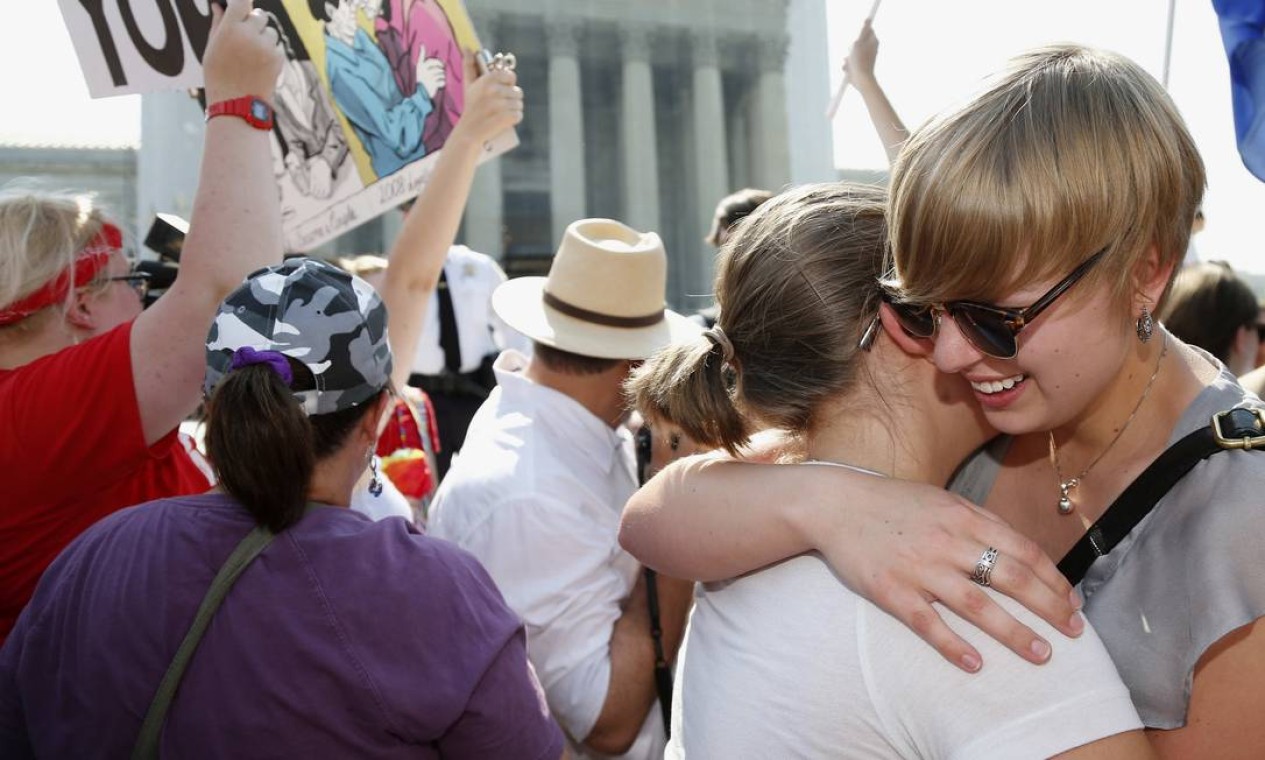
<point>1239,429</point>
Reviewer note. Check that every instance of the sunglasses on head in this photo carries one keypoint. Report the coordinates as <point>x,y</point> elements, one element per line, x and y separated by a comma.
<point>994,330</point>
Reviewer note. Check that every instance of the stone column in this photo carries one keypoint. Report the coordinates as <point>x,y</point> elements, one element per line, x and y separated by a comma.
<point>770,139</point>
<point>485,209</point>
<point>566,126</point>
<point>640,143</point>
<point>169,158</point>
<point>711,168</point>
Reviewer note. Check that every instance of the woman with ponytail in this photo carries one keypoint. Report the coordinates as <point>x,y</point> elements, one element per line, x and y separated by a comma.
<point>302,627</point>
<point>1035,231</point>
<point>786,661</point>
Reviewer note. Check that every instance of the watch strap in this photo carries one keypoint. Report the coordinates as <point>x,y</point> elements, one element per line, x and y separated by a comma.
<point>254,111</point>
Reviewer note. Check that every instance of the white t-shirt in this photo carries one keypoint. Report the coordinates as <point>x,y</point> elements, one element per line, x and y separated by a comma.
<point>787,662</point>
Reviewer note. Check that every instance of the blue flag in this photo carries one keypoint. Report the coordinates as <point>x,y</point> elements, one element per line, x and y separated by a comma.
<point>1243,33</point>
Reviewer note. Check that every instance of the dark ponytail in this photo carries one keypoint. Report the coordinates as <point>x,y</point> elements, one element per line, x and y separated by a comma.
<point>264,448</point>
<point>259,441</point>
<point>685,384</point>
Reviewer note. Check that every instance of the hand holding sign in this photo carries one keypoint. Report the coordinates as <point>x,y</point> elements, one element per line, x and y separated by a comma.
<point>494,104</point>
<point>243,55</point>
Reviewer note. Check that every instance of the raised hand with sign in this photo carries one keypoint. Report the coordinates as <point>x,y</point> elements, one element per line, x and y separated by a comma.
<point>243,55</point>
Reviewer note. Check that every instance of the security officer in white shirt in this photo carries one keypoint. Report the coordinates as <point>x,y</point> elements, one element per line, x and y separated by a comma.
<point>461,337</point>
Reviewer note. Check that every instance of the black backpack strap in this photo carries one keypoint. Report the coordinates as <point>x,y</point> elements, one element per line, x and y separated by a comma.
<point>662,673</point>
<point>1233,429</point>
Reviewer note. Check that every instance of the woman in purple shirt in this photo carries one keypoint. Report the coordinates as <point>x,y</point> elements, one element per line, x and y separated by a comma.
<point>341,637</point>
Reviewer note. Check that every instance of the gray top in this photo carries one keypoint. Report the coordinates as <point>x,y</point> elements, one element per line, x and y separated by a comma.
<point>1191,572</point>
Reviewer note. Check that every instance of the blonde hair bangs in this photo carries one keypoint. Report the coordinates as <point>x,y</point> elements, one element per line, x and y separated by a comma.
<point>1068,152</point>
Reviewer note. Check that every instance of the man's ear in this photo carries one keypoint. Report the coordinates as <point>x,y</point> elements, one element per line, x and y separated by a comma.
<point>910,344</point>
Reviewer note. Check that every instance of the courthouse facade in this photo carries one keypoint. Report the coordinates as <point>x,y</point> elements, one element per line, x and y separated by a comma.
<point>648,112</point>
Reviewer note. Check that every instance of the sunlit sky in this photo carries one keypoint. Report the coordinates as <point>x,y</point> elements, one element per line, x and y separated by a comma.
<point>932,54</point>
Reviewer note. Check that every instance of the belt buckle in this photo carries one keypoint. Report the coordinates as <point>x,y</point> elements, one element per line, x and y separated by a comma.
<point>1244,442</point>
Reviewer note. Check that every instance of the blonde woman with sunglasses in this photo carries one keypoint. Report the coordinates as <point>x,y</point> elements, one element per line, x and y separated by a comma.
<point>92,389</point>
<point>1035,232</point>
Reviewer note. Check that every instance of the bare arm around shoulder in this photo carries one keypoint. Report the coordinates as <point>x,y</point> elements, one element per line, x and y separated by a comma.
<point>494,103</point>
<point>235,226</point>
<point>631,694</point>
<point>1227,701</point>
<point>901,545</point>
<point>860,67</point>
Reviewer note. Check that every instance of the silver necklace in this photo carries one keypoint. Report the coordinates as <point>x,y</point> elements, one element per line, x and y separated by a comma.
<point>1066,507</point>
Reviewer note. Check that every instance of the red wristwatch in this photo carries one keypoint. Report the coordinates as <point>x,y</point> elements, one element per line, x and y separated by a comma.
<point>256,112</point>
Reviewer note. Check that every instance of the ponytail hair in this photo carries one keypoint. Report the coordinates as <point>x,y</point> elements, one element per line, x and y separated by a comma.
<point>686,384</point>
<point>264,447</point>
<point>797,285</point>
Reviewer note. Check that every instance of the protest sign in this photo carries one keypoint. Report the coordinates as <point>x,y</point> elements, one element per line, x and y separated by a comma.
<point>367,97</point>
<point>126,47</point>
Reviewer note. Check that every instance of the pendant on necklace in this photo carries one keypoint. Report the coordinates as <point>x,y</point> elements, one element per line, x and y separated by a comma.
<point>1065,500</point>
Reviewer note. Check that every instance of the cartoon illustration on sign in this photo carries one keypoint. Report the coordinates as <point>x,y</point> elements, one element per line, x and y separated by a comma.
<point>310,140</point>
<point>370,93</point>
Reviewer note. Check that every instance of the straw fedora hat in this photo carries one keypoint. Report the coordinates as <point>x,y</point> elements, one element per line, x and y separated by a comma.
<point>604,296</point>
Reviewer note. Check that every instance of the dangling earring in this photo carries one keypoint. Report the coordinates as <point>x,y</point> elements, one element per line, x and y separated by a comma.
<point>1146,325</point>
<point>375,482</point>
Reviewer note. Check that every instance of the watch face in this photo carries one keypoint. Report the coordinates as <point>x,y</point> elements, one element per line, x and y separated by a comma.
<point>259,110</point>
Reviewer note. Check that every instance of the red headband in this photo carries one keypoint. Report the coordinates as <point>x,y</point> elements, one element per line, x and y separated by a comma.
<point>88,264</point>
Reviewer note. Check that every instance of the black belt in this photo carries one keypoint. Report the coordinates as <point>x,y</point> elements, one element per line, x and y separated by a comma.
<point>450,384</point>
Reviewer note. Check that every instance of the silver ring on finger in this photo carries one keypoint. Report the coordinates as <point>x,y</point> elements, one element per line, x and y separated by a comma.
<point>983,574</point>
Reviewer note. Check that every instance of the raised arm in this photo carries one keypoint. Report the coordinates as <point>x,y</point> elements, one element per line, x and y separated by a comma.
<point>860,67</point>
<point>235,227</point>
<point>494,104</point>
<point>901,545</point>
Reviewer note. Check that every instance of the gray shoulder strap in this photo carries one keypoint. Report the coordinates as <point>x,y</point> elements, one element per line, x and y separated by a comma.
<point>245,553</point>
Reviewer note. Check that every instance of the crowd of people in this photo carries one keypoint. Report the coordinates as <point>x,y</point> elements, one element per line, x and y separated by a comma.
<point>935,478</point>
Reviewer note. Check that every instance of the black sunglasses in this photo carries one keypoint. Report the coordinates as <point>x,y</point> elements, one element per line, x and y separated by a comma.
<point>993,330</point>
<point>138,281</point>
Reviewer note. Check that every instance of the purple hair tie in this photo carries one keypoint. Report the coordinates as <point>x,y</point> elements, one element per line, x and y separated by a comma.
<point>246,356</point>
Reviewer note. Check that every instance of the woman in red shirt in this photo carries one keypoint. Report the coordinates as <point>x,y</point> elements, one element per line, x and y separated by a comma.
<point>91,388</point>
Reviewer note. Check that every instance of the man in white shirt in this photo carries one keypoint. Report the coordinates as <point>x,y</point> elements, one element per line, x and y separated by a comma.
<point>548,463</point>
<point>461,337</point>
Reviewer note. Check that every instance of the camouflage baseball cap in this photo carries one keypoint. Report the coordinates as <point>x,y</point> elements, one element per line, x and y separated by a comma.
<point>330,321</point>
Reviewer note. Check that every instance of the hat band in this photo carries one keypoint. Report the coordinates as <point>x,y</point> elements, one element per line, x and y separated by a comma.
<point>596,318</point>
